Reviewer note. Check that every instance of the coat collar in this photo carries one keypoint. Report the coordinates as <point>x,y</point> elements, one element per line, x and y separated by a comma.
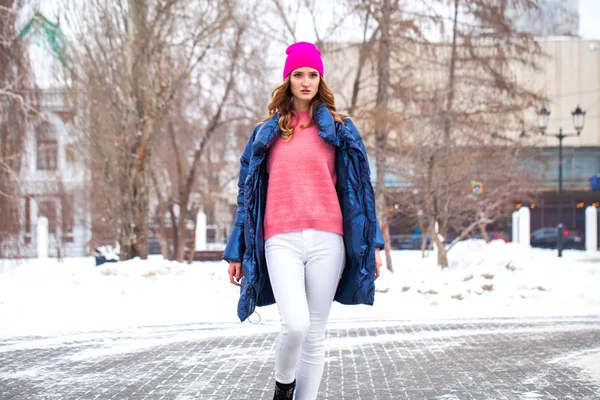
<point>269,130</point>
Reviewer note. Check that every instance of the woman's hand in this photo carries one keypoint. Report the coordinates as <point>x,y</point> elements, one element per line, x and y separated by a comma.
<point>235,271</point>
<point>377,264</point>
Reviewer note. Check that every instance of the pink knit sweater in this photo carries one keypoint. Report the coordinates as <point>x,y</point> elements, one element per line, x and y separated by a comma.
<point>301,192</point>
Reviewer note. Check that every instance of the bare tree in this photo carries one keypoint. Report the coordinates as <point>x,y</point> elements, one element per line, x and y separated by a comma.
<point>428,96</point>
<point>134,58</point>
<point>388,27</point>
<point>476,186</point>
<point>468,114</point>
<point>365,50</point>
<point>382,120</point>
<point>17,103</point>
<point>203,129</point>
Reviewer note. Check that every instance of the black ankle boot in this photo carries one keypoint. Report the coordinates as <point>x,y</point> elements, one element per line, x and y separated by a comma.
<point>284,391</point>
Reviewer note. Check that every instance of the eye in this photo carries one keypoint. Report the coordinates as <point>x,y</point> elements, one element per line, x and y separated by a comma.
<point>314,75</point>
<point>297,74</point>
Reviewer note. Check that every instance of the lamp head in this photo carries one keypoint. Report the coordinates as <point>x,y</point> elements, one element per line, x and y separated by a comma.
<point>578,119</point>
<point>543,116</point>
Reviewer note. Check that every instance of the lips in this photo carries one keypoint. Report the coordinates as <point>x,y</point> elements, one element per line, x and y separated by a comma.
<point>305,91</point>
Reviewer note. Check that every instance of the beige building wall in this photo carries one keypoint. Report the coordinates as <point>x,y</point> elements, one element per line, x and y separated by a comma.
<point>570,76</point>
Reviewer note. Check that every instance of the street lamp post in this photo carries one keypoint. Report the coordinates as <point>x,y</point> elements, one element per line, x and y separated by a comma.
<point>578,120</point>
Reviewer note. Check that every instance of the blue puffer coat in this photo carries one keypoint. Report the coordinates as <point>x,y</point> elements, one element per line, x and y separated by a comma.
<point>357,200</point>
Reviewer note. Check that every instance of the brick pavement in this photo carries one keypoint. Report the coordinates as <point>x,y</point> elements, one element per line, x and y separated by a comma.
<point>477,359</point>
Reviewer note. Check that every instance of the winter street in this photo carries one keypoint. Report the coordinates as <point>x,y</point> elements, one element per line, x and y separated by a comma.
<point>409,191</point>
<point>536,358</point>
<point>154,329</point>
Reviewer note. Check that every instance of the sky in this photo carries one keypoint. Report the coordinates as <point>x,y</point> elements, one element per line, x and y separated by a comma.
<point>589,15</point>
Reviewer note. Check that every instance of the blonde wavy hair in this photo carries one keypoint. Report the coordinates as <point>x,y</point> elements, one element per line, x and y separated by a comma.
<point>281,102</point>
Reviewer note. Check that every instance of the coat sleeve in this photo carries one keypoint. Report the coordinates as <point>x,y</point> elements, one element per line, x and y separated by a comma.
<point>379,241</point>
<point>234,250</point>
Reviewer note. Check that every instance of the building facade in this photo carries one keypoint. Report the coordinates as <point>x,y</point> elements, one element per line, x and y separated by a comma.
<point>570,77</point>
<point>55,181</point>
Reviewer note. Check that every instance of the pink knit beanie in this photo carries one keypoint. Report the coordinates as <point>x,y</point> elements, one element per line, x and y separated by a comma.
<point>302,54</point>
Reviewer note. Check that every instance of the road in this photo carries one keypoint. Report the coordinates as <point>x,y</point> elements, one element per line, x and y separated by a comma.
<point>540,358</point>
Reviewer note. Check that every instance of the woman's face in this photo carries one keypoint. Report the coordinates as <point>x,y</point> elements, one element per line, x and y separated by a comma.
<point>304,83</point>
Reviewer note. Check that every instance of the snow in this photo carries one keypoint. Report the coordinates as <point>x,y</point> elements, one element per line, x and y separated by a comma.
<point>532,395</point>
<point>47,297</point>
<point>587,360</point>
<point>522,281</point>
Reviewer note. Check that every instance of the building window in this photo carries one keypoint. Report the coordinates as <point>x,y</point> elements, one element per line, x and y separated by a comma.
<point>552,171</point>
<point>586,166</point>
<point>47,147</point>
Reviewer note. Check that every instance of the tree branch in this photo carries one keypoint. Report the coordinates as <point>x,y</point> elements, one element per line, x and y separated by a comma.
<point>285,19</point>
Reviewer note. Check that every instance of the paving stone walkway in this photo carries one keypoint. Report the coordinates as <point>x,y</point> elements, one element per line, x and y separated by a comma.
<point>470,359</point>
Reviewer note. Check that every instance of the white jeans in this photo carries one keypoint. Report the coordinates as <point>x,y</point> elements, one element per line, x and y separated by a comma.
<point>304,268</point>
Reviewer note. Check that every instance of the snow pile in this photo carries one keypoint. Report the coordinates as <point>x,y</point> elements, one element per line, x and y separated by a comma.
<point>44,296</point>
<point>496,279</point>
<point>484,280</point>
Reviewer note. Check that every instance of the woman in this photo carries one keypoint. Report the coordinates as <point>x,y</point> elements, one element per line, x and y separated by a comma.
<point>305,231</point>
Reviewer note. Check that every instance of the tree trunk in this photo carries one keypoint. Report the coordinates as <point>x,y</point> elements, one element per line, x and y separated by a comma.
<point>434,201</point>
<point>484,234</point>
<point>141,220</point>
<point>424,245</point>
<point>181,231</point>
<point>134,190</point>
<point>363,55</point>
<point>451,78</point>
<point>133,232</point>
<point>174,230</point>
<point>442,256</point>
<point>195,210</point>
<point>162,235</point>
<point>162,209</point>
<point>388,253</point>
<point>382,123</point>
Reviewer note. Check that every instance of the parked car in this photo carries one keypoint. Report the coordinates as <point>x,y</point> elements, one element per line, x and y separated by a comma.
<point>413,243</point>
<point>547,237</point>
